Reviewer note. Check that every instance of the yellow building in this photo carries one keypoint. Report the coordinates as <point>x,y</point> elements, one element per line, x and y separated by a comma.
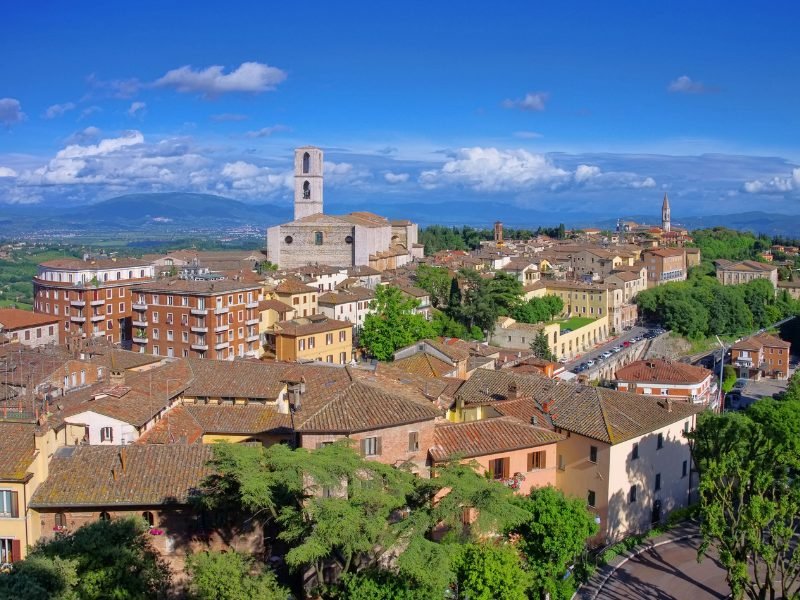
<point>271,312</point>
<point>313,338</point>
<point>25,452</point>
<point>293,292</point>
<point>508,333</point>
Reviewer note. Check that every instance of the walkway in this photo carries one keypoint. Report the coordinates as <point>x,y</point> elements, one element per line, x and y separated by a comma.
<point>663,568</point>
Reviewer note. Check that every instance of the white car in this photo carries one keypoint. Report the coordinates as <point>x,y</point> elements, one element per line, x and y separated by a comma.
<point>606,354</point>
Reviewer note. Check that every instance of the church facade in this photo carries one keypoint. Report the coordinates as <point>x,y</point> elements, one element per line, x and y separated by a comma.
<point>357,238</point>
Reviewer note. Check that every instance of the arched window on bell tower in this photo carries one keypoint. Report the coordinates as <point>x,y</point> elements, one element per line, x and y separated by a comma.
<point>306,190</point>
<point>306,162</point>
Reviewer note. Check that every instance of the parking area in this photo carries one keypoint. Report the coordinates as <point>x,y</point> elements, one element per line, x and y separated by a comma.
<point>614,346</point>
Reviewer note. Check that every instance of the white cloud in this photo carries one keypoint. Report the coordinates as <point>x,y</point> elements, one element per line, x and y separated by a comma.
<point>114,88</point>
<point>89,111</point>
<point>395,177</point>
<point>527,135</point>
<point>7,172</point>
<point>11,111</point>
<point>494,170</point>
<point>137,109</point>
<point>56,110</point>
<point>251,180</point>
<point>685,85</point>
<point>774,185</point>
<point>266,131</point>
<point>248,77</point>
<point>85,136</point>
<point>533,101</point>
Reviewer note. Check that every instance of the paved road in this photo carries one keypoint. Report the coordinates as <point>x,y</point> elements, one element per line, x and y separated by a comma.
<point>668,572</point>
<point>595,352</point>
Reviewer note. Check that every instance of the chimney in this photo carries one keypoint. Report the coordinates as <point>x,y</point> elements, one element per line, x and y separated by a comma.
<point>123,457</point>
<point>512,390</point>
<point>669,404</point>
<point>116,377</point>
<point>534,420</point>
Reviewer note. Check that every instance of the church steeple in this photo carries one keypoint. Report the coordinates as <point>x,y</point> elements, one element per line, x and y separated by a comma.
<point>307,181</point>
<point>665,225</point>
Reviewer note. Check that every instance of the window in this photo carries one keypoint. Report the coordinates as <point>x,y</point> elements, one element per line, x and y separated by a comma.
<point>306,161</point>
<point>9,550</point>
<point>537,460</point>
<point>109,309</point>
<point>342,357</point>
<point>413,441</point>
<point>562,466</point>
<point>343,336</point>
<point>149,518</point>
<point>632,494</point>
<point>686,427</point>
<point>121,307</point>
<point>635,451</point>
<point>301,344</point>
<point>685,468</point>
<point>658,481</point>
<point>311,342</point>
<point>296,300</point>
<point>371,446</point>
<point>9,504</point>
<point>104,516</point>
<point>590,498</point>
<point>329,358</point>
<point>593,454</point>
<point>106,434</point>
<point>60,520</point>
<point>660,443</point>
<point>288,239</point>
<point>328,339</point>
<point>498,468</point>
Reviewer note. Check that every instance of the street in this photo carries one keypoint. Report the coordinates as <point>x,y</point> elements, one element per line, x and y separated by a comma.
<point>595,352</point>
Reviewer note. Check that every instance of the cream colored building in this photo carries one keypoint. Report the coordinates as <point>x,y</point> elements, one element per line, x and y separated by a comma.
<point>734,273</point>
<point>509,333</point>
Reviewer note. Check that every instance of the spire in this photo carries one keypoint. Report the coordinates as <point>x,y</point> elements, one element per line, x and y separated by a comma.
<point>665,205</point>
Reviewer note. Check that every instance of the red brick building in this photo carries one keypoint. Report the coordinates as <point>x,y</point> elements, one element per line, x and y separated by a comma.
<point>28,328</point>
<point>201,319</point>
<point>677,380</point>
<point>761,355</point>
<point>90,297</point>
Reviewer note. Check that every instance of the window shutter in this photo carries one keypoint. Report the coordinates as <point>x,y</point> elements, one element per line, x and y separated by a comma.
<point>363,447</point>
<point>16,550</point>
<point>378,445</point>
<point>491,469</point>
<point>413,441</point>
<point>530,461</point>
<point>506,465</point>
<point>15,504</point>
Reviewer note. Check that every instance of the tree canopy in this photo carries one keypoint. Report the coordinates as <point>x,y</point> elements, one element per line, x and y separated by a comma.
<point>231,576</point>
<point>394,323</point>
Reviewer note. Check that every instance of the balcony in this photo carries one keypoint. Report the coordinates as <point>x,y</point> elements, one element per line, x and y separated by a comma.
<point>221,310</point>
<point>139,339</point>
<point>140,323</point>
<point>200,347</point>
<point>77,303</point>
<point>139,306</point>
<point>78,319</point>
<point>221,346</point>
<point>252,322</point>
<point>251,304</point>
<point>97,302</point>
<point>221,328</point>
<point>200,312</point>
<point>98,333</point>
<point>199,329</point>
<point>251,338</point>
<point>97,318</point>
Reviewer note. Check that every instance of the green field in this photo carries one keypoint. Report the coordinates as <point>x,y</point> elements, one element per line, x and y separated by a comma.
<point>572,323</point>
<point>17,271</point>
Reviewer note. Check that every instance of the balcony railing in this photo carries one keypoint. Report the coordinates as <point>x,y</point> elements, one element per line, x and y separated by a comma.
<point>139,323</point>
<point>139,339</point>
<point>221,346</point>
<point>252,338</point>
<point>78,319</point>
<point>251,321</point>
<point>251,305</point>
<point>201,347</point>
<point>199,329</point>
<point>200,312</point>
<point>221,310</point>
<point>221,328</point>
<point>97,302</point>
<point>139,306</point>
<point>97,318</point>
<point>77,303</point>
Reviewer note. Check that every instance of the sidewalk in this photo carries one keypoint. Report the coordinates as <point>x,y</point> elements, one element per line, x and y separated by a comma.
<point>594,586</point>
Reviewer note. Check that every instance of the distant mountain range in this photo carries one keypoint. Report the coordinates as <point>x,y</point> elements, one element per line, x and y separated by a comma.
<point>183,212</point>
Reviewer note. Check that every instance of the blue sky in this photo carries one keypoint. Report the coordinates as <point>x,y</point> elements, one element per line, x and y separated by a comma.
<point>580,106</point>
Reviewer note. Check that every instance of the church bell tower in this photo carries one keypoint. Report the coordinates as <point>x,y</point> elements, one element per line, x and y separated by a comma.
<point>665,215</point>
<point>307,182</point>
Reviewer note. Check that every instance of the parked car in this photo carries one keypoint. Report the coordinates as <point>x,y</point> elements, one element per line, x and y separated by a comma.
<point>589,363</point>
<point>606,354</point>
<point>626,344</point>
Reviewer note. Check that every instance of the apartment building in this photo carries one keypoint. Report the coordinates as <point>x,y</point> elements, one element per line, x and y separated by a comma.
<point>734,273</point>
<point>29,329</point>
<point>353,305</point>
<point>90,297</point>
<point>301,297</point>
<point>664,265</point>
<point>314,338</point>
<point>563,343</point>
<point>761,355</point>
<point>665,378</point>
<point>201,319</point>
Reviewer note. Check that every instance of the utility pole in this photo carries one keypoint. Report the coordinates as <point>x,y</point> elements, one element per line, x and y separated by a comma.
<point>721,368</point>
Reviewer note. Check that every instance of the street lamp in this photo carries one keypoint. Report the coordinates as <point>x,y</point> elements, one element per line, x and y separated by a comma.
<point>721,367</point>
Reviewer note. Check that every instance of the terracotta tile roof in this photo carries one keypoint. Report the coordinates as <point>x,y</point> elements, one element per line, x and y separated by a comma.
<point>253,380</point>
<point>154,475</point>
<point>309,326</point>
<point>77,264</point>
<point>366,219</point>
<point>449,347</point>
<point>292,285</point>
<point>745,265</point>
<point>665,252</point>
<point>17,447</point>
<point>519,264</point>
<point>607,415</point>
<point>487,436</point>
<point>424,364</point>
<point>14,318</point>
<point>352,294</point>
<point>362,271</point>
<point>124,359</point>
<point>239,419</point>
<point>365,404</point>
<point>276,305</point>
<point>7,392</point>
<point>663,371</point>
<point>177,426</point>
<point>625,275</point>
<point>199,287</point>
<point>758,341</point>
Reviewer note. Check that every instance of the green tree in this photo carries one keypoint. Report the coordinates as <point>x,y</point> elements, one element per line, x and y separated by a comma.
<point>551,538</point>
<point>485,572</point>
<point>541,347</point>
<point>435,281</point>
<point>231,576</point>
<point>393,324</point>
<point>377,584</point>
<point>538,310</point>
<point>750,495</point>
<point>41,578</point>
<point>484,299</point>
<point>728,378</point>
<point>94,561</point>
